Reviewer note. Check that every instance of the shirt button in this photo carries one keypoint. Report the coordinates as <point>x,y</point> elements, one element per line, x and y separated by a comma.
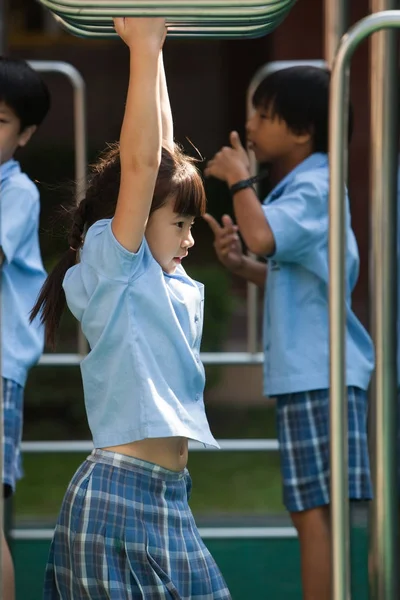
<point>197,357</point>
<point>196,319</point>
<point>197,397</point>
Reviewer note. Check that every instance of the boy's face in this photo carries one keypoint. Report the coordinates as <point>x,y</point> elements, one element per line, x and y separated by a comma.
<point>11,136</point>
<point>270,138</point>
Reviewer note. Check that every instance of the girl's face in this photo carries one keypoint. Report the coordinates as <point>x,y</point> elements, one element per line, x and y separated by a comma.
<point>169,236</point>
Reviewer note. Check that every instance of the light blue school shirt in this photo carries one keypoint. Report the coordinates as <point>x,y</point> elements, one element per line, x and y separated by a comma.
<point>296,327</point>
<point>143,377</point>
<point>22,273</point>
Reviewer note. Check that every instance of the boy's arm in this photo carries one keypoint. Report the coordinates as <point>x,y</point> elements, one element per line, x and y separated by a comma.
<point>19,219</point>
<point>231,165</point>
<point>253,224</point>
<point>167,123</point>
<point>230,252</point>
<point>253,271</point>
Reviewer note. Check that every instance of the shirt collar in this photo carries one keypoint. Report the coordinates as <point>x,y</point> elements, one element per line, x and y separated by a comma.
<point>314,161</point>
<point>9,168</point>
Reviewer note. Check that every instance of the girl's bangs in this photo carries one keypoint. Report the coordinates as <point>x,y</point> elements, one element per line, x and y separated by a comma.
<point>190,197</point>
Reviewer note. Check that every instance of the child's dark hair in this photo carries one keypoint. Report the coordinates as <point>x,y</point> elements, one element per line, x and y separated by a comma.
<point>22,90</point>
<point>177,178</point>
<point>300,96</point>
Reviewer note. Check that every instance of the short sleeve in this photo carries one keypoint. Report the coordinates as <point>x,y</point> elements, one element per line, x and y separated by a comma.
<point>298,220</point>
<point>19,218</point>
<point>102,251</point>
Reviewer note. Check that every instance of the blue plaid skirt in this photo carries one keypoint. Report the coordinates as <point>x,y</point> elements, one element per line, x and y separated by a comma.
<point>303,434</point>
<point>126,531</point>
<point>13,398</point>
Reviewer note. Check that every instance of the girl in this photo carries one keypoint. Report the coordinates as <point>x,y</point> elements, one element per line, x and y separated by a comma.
<point>125,528</point>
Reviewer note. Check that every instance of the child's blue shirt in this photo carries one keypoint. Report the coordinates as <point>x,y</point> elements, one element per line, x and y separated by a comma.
<point>296,320</point>
<point>22,273</point>
<point>143,377</point>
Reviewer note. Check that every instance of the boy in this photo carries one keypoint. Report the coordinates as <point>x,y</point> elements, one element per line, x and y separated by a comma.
<point>289,132</point>
<point>24,103</point>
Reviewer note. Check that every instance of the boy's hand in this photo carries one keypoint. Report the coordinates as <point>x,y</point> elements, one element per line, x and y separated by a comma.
<point>231,164</point>
<point>136,31</point>
<point>227,244</point>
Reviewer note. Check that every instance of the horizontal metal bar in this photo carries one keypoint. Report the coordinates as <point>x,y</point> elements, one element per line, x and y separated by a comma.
<point>182,5</point>
<point>205,532</point>
<point>61,67</point>
<point>194,17</point>
<point>174,31</point>
<point>168,9</point>
<point>208,358</point>
<point>249,445</point>
<point>60,360</point>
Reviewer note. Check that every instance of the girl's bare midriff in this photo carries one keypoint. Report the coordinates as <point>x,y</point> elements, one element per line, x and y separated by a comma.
<point>170,453</point>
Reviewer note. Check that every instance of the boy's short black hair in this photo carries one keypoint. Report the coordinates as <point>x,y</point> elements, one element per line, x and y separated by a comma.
<point>300,96</point>
<point>23,90</point>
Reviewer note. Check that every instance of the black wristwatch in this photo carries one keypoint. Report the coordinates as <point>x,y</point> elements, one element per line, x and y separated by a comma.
<point>246,183</point>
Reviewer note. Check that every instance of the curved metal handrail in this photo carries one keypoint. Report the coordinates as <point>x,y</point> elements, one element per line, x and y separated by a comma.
<point>338,159</point>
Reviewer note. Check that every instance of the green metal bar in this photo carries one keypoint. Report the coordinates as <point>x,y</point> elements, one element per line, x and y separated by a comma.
<point>182,7</point>
<point>190,13</point>
<point>173,31</point>
<point>218,21</point>
<point>196,19</point>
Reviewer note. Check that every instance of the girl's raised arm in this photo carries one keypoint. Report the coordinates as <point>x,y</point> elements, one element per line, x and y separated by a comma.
<point>166,113</point>
<point>141,133</point>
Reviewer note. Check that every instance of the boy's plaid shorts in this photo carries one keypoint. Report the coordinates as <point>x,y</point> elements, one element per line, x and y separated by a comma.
<point>13,398</point>
<point>303,433</point>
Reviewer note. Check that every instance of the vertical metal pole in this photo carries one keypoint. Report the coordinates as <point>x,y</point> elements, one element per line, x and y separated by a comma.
<point>252,290</point>
<point>80,137</point>
<point>3,30</point>
<point>338,158</point>
<point>383,172</point>
<point>335,25</point>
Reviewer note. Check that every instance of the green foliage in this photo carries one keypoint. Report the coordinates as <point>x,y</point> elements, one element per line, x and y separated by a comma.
<point>218,309</point>
<point>218,305</point>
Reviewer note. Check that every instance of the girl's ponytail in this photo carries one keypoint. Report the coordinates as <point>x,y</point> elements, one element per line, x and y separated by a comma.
<point>51,300</point>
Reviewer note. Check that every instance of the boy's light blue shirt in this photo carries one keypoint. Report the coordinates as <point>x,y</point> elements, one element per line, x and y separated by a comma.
<point>296,327</point>
<point>143,377</point>
<point>22,273</point>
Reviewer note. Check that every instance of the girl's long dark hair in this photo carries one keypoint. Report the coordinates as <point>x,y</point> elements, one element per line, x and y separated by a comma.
<point>177,177</point>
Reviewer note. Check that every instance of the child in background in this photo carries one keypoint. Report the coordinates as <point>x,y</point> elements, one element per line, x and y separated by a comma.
<point>24,103</point>
<point>289,132</point>
<point>125,529</point>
